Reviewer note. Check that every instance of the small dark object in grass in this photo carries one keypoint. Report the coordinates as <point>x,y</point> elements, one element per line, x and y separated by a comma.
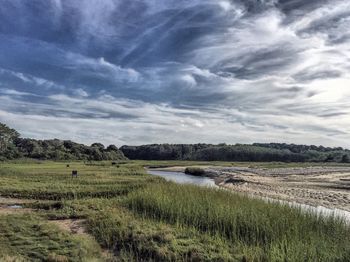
<point>74,173</point>
<point>67,165</point>
<point>195,171</point>
<point>115,164</point>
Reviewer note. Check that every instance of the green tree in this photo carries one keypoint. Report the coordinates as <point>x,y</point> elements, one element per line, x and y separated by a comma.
<point>345,159</point>
<point>98,146</point>
<point>7,136</point>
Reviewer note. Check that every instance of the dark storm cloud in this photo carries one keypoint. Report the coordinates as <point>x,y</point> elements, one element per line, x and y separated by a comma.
<point>177,67</point>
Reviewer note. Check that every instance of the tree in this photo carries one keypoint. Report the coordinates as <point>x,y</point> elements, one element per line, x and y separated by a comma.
<point>329,158</point>
<point>98,145</point>
<point>7,136</point>
<point>96,154</point>
<point>345,159</point>
<point>12,147</point>
<point>112,148</point>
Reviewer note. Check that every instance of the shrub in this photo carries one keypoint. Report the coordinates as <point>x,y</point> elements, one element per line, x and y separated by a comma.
<point>195,171</point>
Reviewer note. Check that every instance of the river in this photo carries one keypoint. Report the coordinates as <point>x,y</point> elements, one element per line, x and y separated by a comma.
<point>182,178</point>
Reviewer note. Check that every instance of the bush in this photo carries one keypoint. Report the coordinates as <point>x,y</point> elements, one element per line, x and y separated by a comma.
<point>195,171</point>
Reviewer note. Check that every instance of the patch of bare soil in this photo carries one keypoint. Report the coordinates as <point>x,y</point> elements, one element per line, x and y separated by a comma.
<point>315,186</point>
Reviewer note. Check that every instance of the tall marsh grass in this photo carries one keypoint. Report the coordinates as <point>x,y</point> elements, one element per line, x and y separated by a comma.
<point>266,231</point>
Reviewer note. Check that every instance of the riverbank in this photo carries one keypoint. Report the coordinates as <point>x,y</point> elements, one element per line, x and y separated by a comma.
<point>315,186</point>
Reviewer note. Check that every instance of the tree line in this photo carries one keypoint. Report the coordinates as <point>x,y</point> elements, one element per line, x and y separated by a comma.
<point>238,152</point>
<point>12,146</point>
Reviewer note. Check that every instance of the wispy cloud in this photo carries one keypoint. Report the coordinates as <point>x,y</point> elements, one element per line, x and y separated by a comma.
<point>202,71</point>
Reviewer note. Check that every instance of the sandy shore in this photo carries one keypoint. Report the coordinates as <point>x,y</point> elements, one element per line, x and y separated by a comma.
<point>316,186</point>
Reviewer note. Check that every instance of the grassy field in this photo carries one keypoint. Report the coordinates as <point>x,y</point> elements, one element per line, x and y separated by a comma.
<point>128,215</point>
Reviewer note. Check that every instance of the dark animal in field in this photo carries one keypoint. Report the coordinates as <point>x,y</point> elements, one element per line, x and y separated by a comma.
<point>67,165</point>
<point>74,173</point>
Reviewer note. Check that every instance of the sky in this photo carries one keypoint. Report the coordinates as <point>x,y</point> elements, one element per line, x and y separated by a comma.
<point>177,71</point>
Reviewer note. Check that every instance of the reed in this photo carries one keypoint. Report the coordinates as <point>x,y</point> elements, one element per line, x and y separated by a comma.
<point>278,232</point>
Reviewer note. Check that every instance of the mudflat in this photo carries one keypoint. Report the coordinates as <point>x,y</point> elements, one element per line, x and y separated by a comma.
<point>315,186</point>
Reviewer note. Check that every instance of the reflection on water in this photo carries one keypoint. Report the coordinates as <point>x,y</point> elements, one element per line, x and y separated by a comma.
<point>15,206</point>
<point>183,178</point>
<point>319,210</point>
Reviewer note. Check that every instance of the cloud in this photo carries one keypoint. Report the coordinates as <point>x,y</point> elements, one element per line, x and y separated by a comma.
<point>100,68</point>
<point>202,71</point>
<point>81,92</point>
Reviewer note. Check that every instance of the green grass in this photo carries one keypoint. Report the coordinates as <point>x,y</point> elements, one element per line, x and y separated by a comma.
<point>141,217</point>
<point>278,232</point>
<point>30,238</point>
<point>53,180</point>
<point>139,238</point>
